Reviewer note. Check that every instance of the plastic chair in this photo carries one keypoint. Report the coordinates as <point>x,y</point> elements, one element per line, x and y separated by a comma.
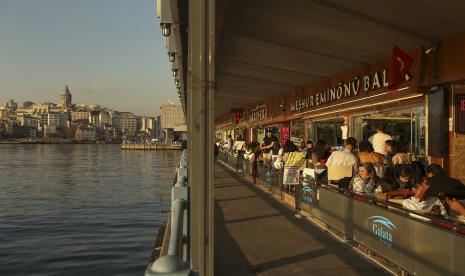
<point>340,174</point>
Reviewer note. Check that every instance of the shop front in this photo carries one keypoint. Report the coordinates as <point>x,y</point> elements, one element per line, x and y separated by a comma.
<point>354,104</point>
<point>406,125</point>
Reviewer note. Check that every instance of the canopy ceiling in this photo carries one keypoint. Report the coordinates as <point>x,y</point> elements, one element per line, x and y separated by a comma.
<point>270,47</point>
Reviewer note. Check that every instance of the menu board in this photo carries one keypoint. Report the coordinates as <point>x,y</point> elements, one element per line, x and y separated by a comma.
<point>291,176</point>
<point>295,159</point>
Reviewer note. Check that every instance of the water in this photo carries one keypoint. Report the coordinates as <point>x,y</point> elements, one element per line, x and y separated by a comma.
<point>80,209</point>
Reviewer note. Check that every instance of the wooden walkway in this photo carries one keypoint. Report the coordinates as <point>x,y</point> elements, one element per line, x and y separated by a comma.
<point>256,235</point>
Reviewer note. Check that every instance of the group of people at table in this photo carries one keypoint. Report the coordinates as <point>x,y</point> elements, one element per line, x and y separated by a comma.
<point>380,166</point>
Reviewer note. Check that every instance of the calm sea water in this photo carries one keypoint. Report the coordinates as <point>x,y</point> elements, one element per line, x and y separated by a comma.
<point>80,209</point>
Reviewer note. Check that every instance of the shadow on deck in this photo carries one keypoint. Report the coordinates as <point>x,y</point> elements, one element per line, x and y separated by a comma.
<point>256,235</point>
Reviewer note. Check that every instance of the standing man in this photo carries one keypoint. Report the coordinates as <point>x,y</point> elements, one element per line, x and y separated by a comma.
<point>228,143</point>
<point>268,143</point>
<point>379,138</point>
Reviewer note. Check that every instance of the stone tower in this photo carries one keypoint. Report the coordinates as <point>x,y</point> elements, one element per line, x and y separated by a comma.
<point>66,98</point>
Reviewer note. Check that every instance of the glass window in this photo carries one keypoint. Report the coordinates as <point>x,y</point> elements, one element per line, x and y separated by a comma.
<point>297,132</point>
<point>328,130</point>
<point>406,126</point>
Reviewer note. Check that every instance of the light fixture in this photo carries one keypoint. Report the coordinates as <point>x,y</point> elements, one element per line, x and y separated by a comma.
<point>175,72</point>
<point>177,83</point>
<point>171,56</point>
<point>433,48</point>
<point>165,29</point>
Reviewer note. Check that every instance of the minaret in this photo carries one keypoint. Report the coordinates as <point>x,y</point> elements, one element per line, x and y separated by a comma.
<point>65,97</point>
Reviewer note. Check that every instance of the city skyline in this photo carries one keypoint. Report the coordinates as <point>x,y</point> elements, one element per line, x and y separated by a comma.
<point>108,52</point>
<point>103,105</point>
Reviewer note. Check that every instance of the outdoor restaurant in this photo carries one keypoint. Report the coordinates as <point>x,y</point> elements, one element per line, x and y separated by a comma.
<point>423,116</point>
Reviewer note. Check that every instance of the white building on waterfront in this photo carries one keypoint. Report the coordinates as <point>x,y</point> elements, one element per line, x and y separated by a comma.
<point>172,121</point>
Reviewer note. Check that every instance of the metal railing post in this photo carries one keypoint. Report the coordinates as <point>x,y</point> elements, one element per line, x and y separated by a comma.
<point>172,264</point>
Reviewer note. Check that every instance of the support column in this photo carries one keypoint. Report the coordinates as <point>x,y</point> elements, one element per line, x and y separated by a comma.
<point>200,110</point>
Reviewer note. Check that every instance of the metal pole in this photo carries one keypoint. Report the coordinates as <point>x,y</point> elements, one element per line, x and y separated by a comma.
<point>200,110</point>
<point>176,222</point>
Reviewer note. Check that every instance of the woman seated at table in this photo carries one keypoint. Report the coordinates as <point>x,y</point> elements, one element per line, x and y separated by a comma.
<point>319,157</point>
<point>366,181</point>
<point>368,155</point>
<point>402,157</point>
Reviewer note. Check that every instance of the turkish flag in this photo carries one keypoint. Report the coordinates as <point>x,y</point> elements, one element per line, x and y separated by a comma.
<point>399,69</point>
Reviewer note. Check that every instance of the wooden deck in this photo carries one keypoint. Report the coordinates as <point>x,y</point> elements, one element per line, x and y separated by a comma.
<point>257,235</point>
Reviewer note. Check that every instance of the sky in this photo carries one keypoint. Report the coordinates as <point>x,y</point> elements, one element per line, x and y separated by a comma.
<point>109,52</point>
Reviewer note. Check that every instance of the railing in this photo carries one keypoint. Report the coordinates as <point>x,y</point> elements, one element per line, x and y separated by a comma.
<point>269,177</point>
<point>176,262</point>
<point>415,242</point>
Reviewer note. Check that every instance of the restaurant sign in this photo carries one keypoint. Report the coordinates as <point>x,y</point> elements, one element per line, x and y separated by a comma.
<point>259,113</point>
<point>345,89</point>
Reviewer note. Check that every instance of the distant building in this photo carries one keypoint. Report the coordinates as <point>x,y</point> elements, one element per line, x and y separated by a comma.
<point>158,131</point>
<point>66,98</point>
<point>11,105</point>
<point>79,115</point>
<point>94,118</point>
<point>124,122</point>
<point>172,121</point>
<point>104,119</point>
<point>84,133</point>
<point>58,119</point>
<point>172,115</point>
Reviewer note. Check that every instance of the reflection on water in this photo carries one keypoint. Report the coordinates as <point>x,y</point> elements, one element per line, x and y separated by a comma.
<point>80,209</point>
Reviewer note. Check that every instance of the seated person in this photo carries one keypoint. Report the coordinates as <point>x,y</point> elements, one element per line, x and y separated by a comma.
<point>405,180</point>
<point>309,150</point>
<point>401,157</point>
<point>344,157</point>
<point>390,150</point>
<point>437,182</point>
<point>368,155</point>
<point>457,207</point>
<point>366,181</point>
<point>420,202</point>
<point>319,158</point>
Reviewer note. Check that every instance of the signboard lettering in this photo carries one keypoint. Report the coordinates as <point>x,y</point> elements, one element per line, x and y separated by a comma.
<point>258,114</point>
<point>344,89</point>
<point>383,229</point>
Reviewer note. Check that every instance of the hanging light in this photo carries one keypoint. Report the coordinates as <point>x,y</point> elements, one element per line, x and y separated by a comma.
<point>165,29</point>
<point>171,56</point>
<point>175,72</point>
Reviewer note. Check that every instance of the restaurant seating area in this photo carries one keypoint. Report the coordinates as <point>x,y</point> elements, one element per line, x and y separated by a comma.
<point>376,220</point>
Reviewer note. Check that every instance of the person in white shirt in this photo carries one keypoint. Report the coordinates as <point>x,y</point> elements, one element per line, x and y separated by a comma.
<point>344,157</point>
<point>379,138</point>
<point>228,143</point>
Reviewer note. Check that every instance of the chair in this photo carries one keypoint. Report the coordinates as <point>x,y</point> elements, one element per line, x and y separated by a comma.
<point>340,174</point>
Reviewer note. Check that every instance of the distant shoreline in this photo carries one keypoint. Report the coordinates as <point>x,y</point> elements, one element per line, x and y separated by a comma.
<point>57,143</point>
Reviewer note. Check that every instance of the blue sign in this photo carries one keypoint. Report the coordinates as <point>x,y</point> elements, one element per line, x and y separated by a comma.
<point>307,194</point>
<point>383,229</point>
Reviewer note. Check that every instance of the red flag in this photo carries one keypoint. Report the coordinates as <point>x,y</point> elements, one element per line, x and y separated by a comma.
<point>399,69</point>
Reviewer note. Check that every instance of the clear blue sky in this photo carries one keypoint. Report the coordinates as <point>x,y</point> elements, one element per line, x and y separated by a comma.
<point>109,52</point>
